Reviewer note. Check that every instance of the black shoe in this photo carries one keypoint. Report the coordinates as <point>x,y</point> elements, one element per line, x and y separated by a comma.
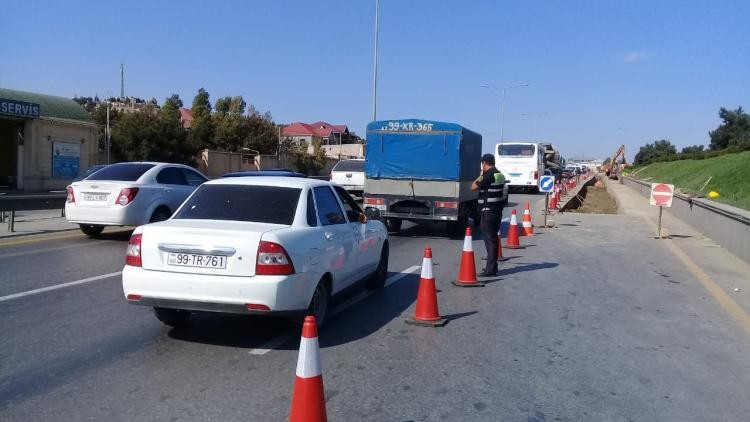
<point>487,274</point>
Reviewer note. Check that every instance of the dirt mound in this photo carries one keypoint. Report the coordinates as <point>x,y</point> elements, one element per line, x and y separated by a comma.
<point>597,201</point>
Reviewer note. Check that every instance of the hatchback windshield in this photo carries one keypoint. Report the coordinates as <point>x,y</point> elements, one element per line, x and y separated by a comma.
<point>516,150</point>
<point>350,165</point>
<point>260,204</point>
<point>126,172</point>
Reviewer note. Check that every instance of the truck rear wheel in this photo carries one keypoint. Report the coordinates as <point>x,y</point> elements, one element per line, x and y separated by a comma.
<point>393,224</point>
<point>458,228</point>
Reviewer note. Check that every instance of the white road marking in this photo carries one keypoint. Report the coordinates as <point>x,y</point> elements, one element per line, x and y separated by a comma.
<point>57,248</point>
<point>278,341</point>
<point>58,286</point>
<point>269,345</point>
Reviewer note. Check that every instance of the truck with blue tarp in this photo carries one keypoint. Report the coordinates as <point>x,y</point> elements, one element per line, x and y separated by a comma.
<point>421,170</point>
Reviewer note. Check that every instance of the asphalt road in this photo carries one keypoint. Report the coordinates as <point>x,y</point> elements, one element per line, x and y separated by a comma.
<point>587,322</point>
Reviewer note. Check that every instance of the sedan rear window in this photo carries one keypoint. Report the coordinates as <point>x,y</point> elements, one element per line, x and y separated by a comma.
<point>350,165</point>
<point>259,204</point>
<point>126,172</point>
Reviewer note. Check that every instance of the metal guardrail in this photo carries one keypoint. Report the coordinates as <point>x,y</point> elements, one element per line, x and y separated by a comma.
<point>27,202</point>
<point>695,201</point>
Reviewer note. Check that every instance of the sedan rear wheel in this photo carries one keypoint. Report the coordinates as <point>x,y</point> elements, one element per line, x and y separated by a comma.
<point>377,281</point>
<point>160,214</point>
<point>172,317</point>
<point>319,303</point>
<point>92,230</point>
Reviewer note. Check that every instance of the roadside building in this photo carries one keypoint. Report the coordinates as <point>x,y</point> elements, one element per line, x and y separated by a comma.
<point>336,140</point>
<point>44,141</point>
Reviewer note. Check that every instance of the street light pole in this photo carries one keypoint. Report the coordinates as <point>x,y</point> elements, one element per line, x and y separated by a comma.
<point>375,67</point>
<point>502,105</point>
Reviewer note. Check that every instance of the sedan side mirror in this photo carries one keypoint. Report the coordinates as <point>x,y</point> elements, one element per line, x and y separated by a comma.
<point>373,213</point>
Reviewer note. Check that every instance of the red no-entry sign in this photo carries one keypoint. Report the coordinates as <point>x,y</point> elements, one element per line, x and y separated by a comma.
<point>661,194</point>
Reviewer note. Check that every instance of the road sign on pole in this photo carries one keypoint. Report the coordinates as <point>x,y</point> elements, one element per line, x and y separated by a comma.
<point>661,194</point>
<point>546,183</point>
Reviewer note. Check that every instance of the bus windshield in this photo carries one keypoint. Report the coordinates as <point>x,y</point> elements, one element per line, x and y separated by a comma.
<point>516,150</point>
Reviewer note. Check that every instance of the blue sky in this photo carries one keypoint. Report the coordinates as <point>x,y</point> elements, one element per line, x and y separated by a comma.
<point>600,73</point>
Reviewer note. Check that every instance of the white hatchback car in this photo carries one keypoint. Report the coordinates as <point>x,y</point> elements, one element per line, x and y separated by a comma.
<point>350,174</point>
<point>255,245</point>
<point>129,194</point>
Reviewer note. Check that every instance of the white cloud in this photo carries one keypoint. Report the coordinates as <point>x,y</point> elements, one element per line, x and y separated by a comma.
<point>633,57</point>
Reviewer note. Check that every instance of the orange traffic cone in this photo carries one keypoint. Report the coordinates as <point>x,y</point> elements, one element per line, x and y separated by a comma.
<point>513,241</point>
<point>500,256</point>
<point>308,398</point>
<point>467,271</point>
<point>552,203</point>
<point>426,312</point>
<point>528,228</point>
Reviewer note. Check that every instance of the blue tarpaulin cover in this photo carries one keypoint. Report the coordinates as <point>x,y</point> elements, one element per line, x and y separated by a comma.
<point>421,150</point>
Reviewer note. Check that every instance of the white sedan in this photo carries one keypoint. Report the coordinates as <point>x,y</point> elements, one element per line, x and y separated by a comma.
<point>129,194</point>
<point>255,245</point>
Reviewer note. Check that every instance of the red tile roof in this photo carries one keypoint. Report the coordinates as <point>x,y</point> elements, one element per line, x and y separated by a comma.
<point>321,129</point>
<point>186,117</point>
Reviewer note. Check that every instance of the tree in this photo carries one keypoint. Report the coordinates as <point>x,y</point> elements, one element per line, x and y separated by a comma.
<point>151,137</point>
<point>170,111</point>
<point>231,105</point>
<point>692,149</point>
<point>202,130</point>
<point>733,132</point>
<point>657,151</point>
<point>306,163</point>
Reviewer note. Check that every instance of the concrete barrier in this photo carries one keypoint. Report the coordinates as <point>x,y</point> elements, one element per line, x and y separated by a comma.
<point>727,225</point>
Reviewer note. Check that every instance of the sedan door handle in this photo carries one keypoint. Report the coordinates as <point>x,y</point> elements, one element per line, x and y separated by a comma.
<point>328,235</point>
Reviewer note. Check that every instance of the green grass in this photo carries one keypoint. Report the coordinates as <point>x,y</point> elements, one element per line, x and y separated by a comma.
<point>731,177</point>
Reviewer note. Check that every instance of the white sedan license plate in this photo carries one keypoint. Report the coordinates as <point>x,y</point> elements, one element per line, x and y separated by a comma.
<point>197,260</point>
<point>96,197</point>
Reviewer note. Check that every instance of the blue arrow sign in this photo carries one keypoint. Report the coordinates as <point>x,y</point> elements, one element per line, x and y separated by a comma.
<point>546,183</point>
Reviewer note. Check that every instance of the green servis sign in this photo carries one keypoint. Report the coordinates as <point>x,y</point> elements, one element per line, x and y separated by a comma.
<point>19,108</point>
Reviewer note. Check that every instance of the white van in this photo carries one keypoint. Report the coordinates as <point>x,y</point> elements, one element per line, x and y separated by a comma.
<point>522,164</point>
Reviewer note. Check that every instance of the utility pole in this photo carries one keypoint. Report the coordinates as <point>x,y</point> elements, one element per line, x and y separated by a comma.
<point>502,105</point>
<point>108,132</point>
<point>122,80</point>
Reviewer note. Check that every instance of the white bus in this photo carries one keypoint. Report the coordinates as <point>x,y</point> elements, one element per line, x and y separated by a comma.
<point>522,164</point>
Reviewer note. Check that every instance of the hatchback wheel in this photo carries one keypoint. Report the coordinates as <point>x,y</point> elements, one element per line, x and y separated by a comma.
<point>377,281</point>
<point>92,230</point>
<point>172,317</point>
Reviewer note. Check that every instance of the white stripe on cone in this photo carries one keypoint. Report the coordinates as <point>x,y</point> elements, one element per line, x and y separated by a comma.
<point>427,268</point>
<point>308,361</point>
<point>526,223</point>
<point>513,220</point>
<point>467,244</point>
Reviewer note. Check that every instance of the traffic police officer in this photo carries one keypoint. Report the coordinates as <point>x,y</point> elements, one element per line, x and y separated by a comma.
<point>490,187</point>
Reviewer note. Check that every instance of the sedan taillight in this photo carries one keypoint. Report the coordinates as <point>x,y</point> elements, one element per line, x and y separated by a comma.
<point>126,196</point>
<point>273,260</point>
<point>133,252</point>
<point>71,196</point>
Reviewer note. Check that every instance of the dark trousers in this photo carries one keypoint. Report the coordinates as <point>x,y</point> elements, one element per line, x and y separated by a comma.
<point>490,224</point>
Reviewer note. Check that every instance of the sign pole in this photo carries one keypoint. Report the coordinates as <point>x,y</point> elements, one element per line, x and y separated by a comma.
<point>658,233</point>
<point>546,209</point>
